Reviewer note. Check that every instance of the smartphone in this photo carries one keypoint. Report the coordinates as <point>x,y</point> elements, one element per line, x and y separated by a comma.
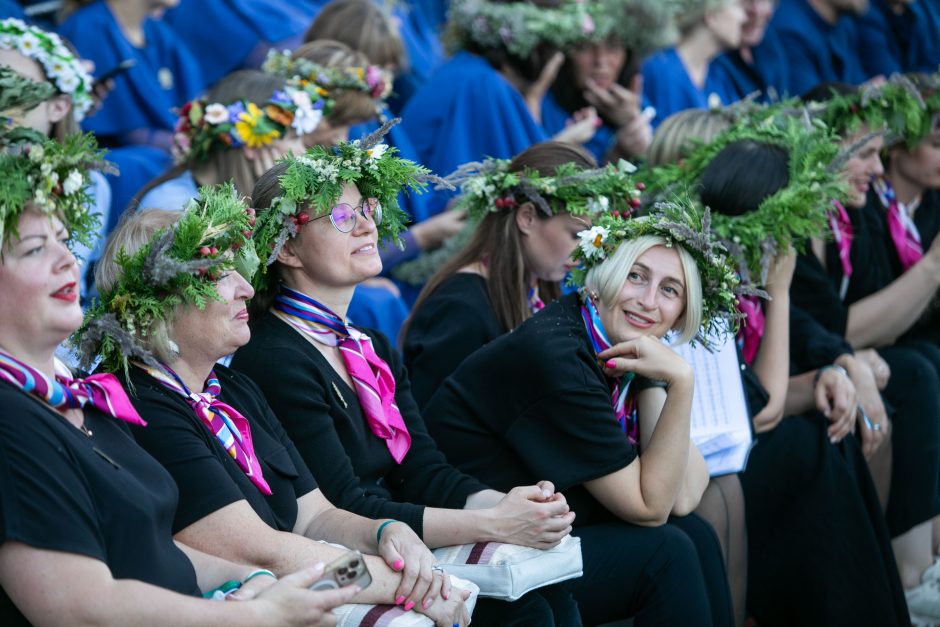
<point>120,68</point>
<point>349,569</point>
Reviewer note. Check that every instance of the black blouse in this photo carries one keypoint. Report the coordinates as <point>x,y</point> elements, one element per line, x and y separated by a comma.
<point>207,477</point>
<point>322,415</point>
<point>456,319</point>
<point>534,404</point>
<point>100,496</point>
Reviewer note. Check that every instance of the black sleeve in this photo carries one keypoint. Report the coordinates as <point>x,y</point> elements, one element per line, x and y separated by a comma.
<point>811,345</point>
<point>424,475</point>
<point>44,501</point>
<point>570,436</point>
<point>300,402</point>
<point>446,329</point>
<point>813,292</point>
<point>182,446</point>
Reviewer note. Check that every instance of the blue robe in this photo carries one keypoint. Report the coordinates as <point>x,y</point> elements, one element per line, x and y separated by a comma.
<point>138,165</point>
<point>741,79</point>
<point>139,100</point>
<point>555,118</point>
<point>247,27</point>
<point>909,42</point>
<point>668,87</point>
<point>466,112</point>
<point>421,36</point>
<point>816,51</point>
<point>171,195</point>
<point>11,8</point>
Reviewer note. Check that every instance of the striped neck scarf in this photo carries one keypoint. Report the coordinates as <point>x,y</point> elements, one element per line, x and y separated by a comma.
<point>373,379</point>
<point>842,233</point>
<point>752,331</point>
<point>903,231</point>
<point>102,391</point>
<point>230,428</point>
<point>624,409</point>
<point>536,304</point>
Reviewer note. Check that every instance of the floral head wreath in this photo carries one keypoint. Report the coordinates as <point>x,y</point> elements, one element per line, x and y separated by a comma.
<point>62,67</point>
<point>314,181</point>
<point>203,127</point>
<point>489,186</point>
<point>179,265</point>
<point>786,218</point>
<point>18,96</point>
<point>521,26</point>
<point>50,176</point>
<point>906,109</point>
<point>317,79</point>
<point>681,223</point>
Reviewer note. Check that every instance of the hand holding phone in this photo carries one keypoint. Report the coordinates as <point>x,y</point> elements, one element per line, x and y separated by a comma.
<point>347,570</point>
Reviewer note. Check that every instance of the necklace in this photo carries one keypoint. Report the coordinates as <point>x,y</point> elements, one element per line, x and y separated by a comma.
<point>88,432</point>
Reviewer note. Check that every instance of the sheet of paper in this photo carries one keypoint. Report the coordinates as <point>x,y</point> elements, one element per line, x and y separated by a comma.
<point>720,420</point>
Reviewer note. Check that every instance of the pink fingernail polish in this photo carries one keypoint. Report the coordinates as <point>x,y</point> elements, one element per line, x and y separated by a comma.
<point>409,605</point>
<point>398,564</point>
<point>400,600</point>
<point>610,363</point>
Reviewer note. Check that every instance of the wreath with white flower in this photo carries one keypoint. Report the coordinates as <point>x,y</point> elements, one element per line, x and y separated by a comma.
<point>314,181</point>
<point>62,67</point>
<point>320,80</point>
<point>203,127</point>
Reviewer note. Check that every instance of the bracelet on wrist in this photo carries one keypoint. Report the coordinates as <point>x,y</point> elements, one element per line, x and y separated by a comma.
<point>838,369</point>
<point>378,532</point>
<point>258,573</point>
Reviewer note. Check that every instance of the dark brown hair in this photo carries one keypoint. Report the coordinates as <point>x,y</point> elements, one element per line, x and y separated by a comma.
<point>498,241</point>
<point>363,26</point>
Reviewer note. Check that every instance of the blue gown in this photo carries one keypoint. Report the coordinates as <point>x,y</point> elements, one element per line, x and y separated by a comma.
<point>247,27</point>
<point>668,87</point>
<point>165,77</point>
<point>466,112</point>
<point>909,42</point>
<point>741,79</point>
<point>816,51</point>
<point>421,36</point>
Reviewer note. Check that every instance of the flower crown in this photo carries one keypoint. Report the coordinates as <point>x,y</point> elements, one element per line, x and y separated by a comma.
<point>521,26</point>
<point>62,67</point>
<point>50,176</point>
<point>317,79</point>
<point>203,127</point>
<point>681,223</point>
<point>489,186</point>
<point>786,218</point>
<point>179,265</point>
<point>908,109</point>
<point>314,181</point>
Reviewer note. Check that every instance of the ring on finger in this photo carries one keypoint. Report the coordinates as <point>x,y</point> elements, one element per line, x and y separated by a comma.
<point>437,568</point>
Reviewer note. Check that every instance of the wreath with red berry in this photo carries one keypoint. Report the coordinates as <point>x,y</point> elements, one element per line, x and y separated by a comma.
<point>179,265</point>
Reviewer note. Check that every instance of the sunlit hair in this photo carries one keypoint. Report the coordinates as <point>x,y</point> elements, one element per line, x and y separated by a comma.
<point>676,135</point>
<point>131,234</point>
<point>608,278</point>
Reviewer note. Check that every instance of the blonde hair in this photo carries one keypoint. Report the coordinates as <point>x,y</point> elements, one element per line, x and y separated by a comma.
<point>676,135</point>
<point>131,234</point>
<point>691,13</point>
<point>607,279</point>
<point>352,106</point>
<point>364,27</point>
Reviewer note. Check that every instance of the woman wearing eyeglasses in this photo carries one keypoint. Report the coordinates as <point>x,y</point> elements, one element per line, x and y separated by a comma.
<point>341,392</point>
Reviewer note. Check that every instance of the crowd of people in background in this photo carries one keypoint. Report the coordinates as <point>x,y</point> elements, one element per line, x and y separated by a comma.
<point>282,275</point>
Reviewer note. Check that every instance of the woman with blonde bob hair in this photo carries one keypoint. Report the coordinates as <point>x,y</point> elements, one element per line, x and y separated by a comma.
<point>586,394</point>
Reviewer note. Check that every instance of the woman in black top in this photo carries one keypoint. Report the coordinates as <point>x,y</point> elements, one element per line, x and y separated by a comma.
<point>536,401</point>
<point>319,398</point>
<point>245,492</point>
<point>513,265</point>
<point>817,545</point>
<point>85,513</point>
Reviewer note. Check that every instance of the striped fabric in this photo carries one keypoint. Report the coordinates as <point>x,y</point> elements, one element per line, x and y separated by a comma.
<point>102,391</point>
<point>901,227</point>
<point>230,428</point>
<point>373,379</point>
